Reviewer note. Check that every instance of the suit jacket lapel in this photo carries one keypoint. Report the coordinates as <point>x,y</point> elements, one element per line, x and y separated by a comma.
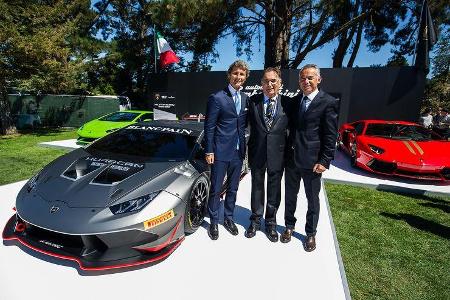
<point>278,111</point>
<point>260,110</point>
<point>243,101</point>
<point>315,102</point>
<point>230,99</point>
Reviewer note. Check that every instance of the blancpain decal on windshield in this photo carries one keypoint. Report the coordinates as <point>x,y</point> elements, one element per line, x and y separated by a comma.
<point>162,129</point>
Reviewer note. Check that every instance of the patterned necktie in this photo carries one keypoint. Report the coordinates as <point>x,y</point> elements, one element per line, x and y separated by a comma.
<point>303,105</point>
<point>270,113</point>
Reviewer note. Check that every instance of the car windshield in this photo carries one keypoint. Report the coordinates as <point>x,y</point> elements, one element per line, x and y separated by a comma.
<point>401,132</point>
<point>144,146</point>
<point>120,116</point>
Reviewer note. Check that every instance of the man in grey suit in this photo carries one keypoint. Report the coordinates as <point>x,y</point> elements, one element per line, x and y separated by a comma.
<point>268,123</point>
<point>312,139</point>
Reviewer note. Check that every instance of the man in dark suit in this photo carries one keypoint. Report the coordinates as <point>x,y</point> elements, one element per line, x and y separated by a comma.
<point>268,123</point>
<point>226,117</point>
<point>312,139</point>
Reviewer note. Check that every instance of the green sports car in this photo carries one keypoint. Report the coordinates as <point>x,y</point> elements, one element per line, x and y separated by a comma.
<point>100,127</point>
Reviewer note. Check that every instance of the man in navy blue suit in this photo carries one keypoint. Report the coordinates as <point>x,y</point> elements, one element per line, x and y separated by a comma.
<point>312,138</point>
<point>225,122</point>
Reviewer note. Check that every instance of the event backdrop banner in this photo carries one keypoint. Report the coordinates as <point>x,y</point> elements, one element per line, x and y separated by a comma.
<point>387,93</point>
<point>164,106</point>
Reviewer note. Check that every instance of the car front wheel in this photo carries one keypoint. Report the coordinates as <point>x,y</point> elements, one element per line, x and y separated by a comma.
<point>196,205</point>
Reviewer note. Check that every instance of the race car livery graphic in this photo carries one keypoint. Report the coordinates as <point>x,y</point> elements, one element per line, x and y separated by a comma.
<point>127,199</point>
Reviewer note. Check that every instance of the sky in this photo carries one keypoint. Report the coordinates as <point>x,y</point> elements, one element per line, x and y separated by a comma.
<point>321,57</point>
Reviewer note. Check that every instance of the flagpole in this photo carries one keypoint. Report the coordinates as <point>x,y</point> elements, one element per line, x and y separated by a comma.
<point>418,35</point>
<point>155,45</point>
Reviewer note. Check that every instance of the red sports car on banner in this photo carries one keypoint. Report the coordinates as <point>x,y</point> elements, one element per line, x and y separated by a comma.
<point>396,148</point>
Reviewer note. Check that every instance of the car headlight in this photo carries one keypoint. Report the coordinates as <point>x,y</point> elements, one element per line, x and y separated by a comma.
<point>134,204</point>
<point>376,149</point>
<point>111,130</point>
<point>31,184</point>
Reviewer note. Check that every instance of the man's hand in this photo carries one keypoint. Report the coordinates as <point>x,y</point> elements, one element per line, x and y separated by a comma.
<point>209,158</point>
<point>318,168</point>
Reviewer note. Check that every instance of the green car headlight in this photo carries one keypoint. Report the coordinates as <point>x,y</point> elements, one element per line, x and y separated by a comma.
<point>133,205</point>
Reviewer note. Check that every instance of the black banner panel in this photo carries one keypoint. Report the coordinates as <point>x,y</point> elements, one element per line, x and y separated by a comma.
<point>387,93</point>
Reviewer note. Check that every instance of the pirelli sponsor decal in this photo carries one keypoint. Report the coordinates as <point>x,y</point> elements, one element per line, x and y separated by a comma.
<point>158,220</point>
<point>413,147</point>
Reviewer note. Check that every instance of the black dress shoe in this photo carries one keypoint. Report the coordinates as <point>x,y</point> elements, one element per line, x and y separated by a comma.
<point>230,226</point>
<point>272,234</point>
<point>213,231</point>
<point>310,244</point>
<point>251,230</point>
<point>286,235</point>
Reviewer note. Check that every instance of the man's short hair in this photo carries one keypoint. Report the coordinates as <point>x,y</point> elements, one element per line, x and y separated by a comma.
<point>272,69</point>
<point>241,65</point>
<point>310,66</point>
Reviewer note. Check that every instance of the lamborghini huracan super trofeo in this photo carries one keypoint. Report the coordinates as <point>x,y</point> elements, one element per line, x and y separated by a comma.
<point>397,148</point>
<point>127,199</point>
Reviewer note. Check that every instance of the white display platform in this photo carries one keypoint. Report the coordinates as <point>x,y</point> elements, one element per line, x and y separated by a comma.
<point>229,268</point>
<point>342,172</point>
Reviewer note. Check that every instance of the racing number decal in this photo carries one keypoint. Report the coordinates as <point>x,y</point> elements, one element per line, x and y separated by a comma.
<point>159,219</point>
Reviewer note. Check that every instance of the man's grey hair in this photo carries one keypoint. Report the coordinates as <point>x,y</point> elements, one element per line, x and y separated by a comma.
<point>310,66</point>
<point>239,64</point>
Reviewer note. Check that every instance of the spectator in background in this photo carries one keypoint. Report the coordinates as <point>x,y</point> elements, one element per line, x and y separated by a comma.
<point>426,119</point>
<point>442,123</point>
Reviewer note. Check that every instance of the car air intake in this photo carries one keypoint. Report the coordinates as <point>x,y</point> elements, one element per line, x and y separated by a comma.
<point>382,166</point>
<point>446,173</point>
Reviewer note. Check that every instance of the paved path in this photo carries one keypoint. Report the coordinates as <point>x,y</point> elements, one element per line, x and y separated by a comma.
<point>199,269</point>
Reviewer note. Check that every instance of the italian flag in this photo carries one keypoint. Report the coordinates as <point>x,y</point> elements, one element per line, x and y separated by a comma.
<point>166,54</point>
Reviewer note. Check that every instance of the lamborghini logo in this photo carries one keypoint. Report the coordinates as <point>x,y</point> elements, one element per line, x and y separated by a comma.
<point>54,209</point>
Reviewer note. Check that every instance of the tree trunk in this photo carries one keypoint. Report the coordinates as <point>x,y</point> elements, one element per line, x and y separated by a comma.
<point>278,33</point>
<point>356,45</point>
<point>6,123</point>
<point>344,43</point>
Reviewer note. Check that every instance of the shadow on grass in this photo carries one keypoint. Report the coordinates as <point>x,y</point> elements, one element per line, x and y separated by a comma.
<point>421,224</point>
<point>443,207</point>
<point>43,131</point>
<point>444,200</point>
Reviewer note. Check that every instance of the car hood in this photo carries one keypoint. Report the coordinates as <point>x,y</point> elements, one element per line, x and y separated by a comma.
<point>97,128</point>
<point>413,152</point>
<point>81,180</point>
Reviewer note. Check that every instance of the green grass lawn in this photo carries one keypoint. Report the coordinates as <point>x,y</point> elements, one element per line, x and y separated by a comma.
<point>21,157</point>
<point>393,246</point>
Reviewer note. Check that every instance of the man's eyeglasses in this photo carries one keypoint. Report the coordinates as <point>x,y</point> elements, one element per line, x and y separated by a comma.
<point>272,81</point>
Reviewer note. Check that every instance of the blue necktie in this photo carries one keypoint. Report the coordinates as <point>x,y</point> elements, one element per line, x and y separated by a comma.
<point>303,105</point>
<point>237,104</point>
